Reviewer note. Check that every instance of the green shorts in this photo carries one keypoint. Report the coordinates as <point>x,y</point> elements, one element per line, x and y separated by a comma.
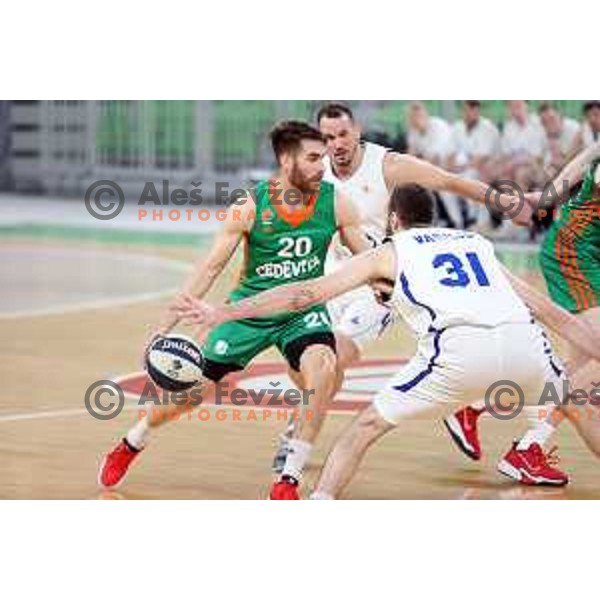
<point>570,262</point>
<point>232,345</point>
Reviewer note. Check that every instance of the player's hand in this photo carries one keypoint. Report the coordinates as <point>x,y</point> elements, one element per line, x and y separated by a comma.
<point>196,312</point>
<point>523,217</point>
<point>530,208</point>
<point>534,199</point>
<point>168,321</point>
<point>382,290</point>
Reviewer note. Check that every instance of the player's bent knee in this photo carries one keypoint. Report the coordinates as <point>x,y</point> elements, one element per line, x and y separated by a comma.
<point>308,348</point>
<point>319,368</point>
<point>318,358</point>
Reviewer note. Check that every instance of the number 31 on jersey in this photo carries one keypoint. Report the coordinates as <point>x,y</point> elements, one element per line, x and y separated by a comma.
<point>457,272</point>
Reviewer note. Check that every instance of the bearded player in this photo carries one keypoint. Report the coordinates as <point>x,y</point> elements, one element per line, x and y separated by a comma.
<point>570,262</point>
<point>468,313</point>
<point>285,240</point>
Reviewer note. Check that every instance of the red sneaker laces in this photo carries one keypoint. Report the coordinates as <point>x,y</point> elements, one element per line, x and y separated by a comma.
<point>541,458</point>
<point>552,457</point>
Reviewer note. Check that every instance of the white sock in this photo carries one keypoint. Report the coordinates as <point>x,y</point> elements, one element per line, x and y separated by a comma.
<point>479,406</point>
<point>137,436</point>
<point>316,495</point>
<point>538,434</point>
<point>299,451</point>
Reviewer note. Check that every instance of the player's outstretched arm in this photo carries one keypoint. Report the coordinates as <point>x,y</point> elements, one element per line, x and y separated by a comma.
<point>402,169</point>
<point>584,335</point>
<point>574,171</point>
<point>364,268</point>
<point>207,269</point>
<point>349,224</point>
<point>559,189</point>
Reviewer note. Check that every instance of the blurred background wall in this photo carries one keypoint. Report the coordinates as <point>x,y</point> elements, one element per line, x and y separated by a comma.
<point>59,147</point>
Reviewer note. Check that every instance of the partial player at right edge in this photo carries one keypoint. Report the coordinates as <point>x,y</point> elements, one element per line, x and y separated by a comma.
<point>570,262</point>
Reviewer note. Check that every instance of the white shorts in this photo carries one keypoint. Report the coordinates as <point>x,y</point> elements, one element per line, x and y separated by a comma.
<point>360,316</point>
<point>458,366</point>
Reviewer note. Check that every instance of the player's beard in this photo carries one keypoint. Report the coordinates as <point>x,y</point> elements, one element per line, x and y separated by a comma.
<point>345,159</point>
<point>304,184</point>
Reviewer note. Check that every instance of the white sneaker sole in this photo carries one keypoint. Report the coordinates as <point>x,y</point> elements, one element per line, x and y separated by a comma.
<point>508,470</point>
<point>512,472</point>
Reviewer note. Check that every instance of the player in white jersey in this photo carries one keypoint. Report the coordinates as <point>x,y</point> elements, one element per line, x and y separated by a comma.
<point>359,317</point>
<point>466,310</point>
<point>589,134</point>
<point>368,173</point>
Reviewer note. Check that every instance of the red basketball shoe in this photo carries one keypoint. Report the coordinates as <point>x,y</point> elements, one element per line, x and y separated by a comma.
<point>462,426</point>
<point>116,463</point>
<point>532,466</point>
<point>284,490</point>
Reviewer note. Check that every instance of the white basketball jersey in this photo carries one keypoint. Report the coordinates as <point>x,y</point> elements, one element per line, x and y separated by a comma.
<point>448,277</point>
<point>368,192</point>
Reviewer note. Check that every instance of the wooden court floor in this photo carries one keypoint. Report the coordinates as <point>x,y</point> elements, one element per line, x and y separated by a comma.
<point>51,446</point>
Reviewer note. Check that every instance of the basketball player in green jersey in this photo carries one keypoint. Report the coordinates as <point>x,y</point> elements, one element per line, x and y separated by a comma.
<point>570,262</point>
<point>286,225</point>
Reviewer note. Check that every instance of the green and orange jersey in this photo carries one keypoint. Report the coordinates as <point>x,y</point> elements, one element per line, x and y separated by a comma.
<point>284,245</point>
<point>570,255</point>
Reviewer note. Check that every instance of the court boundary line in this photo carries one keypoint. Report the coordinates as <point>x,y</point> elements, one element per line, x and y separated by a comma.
<point>121,300</point>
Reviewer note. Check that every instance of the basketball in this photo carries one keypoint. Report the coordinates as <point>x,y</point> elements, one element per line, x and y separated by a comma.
<point>174,363</point>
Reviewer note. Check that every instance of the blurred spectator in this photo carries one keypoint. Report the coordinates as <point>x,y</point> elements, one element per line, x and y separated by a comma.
<point>5,144</point>
<point>559,135</point>
<point>475,142</point>
<point>590,130</point>
<point>430,138</point>
<point>521,146</point>
<point>375,136</point>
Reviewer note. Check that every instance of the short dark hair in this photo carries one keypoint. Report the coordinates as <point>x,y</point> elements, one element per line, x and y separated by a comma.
<point>473,103</point>
<point>413,204</point>
<point>287,136</point>
<point>589,105</point>
<point>334,110</point>
<point>546,106</point>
